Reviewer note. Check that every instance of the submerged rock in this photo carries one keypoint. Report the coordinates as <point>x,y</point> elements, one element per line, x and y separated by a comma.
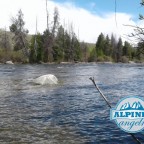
<point>46,79</point>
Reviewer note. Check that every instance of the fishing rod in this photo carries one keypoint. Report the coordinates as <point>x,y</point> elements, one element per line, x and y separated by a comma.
<point>106,100</point>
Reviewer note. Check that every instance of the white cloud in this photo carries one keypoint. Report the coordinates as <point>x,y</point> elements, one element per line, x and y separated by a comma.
<point>88,24</point>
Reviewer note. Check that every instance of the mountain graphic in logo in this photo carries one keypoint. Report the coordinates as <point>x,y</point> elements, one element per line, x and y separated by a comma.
<point>134,106</point>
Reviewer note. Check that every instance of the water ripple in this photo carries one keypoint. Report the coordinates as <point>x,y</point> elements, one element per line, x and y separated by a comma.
<point>71,112</point>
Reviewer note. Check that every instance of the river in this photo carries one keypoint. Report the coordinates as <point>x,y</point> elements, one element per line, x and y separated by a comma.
<point>71,112</point>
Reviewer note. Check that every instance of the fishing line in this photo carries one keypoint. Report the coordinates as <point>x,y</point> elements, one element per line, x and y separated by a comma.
<point>116,12</point>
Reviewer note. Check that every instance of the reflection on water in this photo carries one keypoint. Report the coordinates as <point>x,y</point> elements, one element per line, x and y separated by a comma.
<point>71,112</point>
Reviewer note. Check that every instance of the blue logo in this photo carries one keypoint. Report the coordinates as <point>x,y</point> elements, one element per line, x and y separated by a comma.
<point>129,114</point>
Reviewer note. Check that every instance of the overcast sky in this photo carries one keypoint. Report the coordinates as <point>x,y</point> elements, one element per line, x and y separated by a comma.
<point>89,17</point>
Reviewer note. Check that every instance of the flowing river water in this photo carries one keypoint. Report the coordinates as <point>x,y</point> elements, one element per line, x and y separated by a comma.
<point>71,112</point>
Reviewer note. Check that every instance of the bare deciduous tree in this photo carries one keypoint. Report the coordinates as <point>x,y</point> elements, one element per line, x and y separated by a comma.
<point>49,37</point>
<point>20,33</point>
<point>5,41</point>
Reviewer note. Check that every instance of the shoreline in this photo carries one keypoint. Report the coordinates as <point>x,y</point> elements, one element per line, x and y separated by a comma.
<point>64,63</point>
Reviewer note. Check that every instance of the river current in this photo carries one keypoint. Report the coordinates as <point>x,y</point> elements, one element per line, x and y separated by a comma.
<point>72,112</point>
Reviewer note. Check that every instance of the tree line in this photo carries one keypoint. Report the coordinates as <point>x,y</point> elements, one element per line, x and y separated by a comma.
<point>57,44</point>
<point>111,49</point>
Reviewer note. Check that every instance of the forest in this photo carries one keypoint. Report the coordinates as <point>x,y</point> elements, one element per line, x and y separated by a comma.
<point>58,44</point>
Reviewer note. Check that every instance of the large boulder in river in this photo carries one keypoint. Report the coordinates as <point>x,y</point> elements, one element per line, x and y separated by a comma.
<point>46,79</point>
